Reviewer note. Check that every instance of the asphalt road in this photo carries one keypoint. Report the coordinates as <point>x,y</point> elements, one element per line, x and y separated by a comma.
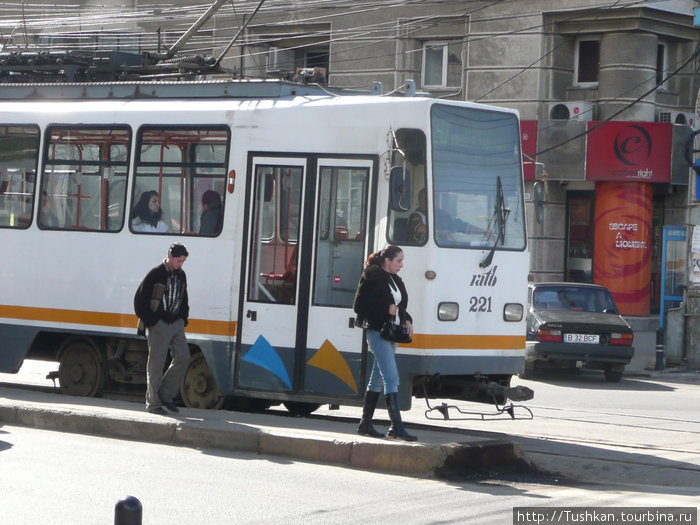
<point>646,427</point>
<point>63,478</point>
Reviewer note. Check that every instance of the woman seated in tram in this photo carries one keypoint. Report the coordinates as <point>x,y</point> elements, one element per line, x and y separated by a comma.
<point>148,213</point>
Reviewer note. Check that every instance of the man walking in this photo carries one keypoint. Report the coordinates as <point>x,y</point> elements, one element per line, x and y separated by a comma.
<point>162,306</point>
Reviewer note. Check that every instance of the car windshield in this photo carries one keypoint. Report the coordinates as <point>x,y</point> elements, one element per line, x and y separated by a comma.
<point>580,299</point>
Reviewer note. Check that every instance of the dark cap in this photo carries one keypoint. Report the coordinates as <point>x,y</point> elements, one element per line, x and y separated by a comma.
<point>178,250</point>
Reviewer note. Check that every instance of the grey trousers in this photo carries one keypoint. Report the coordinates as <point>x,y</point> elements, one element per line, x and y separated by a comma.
<point>162,388</point>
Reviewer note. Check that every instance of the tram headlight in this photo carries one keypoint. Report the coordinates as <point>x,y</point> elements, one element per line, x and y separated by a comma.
<point>513,312</point>
<point>448,311</point>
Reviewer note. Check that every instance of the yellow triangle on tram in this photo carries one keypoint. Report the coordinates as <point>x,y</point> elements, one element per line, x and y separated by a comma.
<point>329,359</point>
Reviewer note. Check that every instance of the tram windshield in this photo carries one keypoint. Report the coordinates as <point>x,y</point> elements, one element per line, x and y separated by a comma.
<point>477,177</point>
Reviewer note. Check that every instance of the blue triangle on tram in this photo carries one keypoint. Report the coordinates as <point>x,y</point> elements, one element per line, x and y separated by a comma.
<point>263,355</point>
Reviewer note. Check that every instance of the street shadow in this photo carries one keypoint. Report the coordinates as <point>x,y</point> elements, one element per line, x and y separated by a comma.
<point>553,462</point>
<point>592,379</point>
<point>4,445</point>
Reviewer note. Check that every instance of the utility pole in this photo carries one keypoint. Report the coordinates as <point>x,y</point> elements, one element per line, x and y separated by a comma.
<point>692,295</point>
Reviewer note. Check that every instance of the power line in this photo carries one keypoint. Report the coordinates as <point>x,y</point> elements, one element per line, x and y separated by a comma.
<point>625,108</point>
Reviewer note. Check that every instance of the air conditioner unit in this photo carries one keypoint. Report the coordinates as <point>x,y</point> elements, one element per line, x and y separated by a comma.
<point>676,117</point>
<point>279,60</point>
<point>574,110</point>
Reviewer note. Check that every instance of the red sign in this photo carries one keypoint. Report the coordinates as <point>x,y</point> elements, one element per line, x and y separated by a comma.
<point>629,151</point>
<point>622,254</point>
<point>528,137</point>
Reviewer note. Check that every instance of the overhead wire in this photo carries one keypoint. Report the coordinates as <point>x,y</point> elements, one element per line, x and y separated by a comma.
<point>623,109</point>
<point>188,13</point>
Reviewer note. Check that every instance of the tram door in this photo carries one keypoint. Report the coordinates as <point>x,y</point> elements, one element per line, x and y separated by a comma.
<point>307,238</point>
<point>334,358</point>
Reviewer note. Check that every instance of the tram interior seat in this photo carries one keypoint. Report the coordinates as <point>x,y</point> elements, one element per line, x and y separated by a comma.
<point>284,284</point>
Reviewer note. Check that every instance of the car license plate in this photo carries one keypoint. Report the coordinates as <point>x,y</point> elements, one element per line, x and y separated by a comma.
<point>591,339</point>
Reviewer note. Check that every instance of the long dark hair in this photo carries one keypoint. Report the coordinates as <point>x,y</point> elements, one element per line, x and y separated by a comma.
<point>143,212</point>
<point>390,251</point>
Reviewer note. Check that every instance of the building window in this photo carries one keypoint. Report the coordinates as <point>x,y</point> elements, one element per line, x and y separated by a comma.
<point>587,62</point>
<point>442,65</point>
<point>661,61</point>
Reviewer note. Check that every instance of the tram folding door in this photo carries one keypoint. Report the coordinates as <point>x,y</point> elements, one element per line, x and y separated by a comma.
<point>307,240</point>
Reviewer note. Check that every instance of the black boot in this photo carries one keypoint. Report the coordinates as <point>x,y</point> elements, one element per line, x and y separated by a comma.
<point>396,431</point>
<point>366,428</point>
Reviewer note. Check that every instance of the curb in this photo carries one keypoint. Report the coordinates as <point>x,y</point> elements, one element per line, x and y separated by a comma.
<point>383,455</point>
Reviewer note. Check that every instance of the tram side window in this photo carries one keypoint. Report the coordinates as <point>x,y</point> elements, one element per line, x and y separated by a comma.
<point>180,180</point>
<point>83,184</point>
<point>408,203</point>
<point>19,154</point>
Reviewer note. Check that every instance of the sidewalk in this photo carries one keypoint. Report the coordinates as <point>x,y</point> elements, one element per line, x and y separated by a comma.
<point>306,439</point>
<point>441,452</point>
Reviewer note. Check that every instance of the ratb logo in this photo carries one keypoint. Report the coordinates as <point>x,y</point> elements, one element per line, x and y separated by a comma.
<point>485,279</point>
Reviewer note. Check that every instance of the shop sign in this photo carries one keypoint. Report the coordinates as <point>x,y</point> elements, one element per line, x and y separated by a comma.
<point>528,138</point>
<point>629,151</point>
<point>622,254</point>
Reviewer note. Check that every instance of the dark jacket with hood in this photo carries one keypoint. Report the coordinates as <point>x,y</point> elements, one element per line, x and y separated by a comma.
<point>373,298</point>
<point>168,309</point>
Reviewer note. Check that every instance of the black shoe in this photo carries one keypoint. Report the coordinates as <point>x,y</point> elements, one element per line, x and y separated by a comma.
<point>158,410</point>
<point>397,430</point>
<point>171,406</point>
<point>366,428</point>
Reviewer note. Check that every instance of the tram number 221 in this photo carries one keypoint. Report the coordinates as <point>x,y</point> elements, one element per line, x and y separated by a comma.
<point>479,304</point>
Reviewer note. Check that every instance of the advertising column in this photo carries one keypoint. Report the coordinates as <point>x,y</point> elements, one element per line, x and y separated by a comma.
<point>622,255</point>
<point>625,159</point>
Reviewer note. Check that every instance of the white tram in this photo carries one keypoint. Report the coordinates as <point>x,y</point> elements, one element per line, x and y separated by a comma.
<point>310,183</point>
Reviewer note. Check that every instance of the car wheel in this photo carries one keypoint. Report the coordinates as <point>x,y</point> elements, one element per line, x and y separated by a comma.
<point>613,376</point>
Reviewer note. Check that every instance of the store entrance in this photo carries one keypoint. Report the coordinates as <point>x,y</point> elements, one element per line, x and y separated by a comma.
<point>579,236</point>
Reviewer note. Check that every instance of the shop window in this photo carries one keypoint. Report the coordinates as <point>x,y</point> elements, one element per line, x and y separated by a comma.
<point>587,62</point>
<point>579,259</point>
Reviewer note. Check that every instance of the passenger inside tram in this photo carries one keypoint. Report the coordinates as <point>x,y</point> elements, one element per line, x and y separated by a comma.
<point>211,219</point>
<point>417,223</point>
<point>148,214</point>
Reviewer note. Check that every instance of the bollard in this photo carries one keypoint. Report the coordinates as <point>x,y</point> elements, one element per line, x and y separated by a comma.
<point>659,348</point>
<point>128,511</point>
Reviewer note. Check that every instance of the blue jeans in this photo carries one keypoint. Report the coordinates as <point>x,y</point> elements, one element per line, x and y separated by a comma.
<point>384,368</point>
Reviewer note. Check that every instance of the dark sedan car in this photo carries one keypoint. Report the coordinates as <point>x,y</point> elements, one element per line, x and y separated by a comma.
<point>572,324</point>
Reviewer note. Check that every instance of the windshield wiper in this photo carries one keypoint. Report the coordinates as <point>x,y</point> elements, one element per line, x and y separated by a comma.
<point>497,221</point>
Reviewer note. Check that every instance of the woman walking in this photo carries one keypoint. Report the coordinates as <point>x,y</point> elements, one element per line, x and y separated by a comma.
<point>381,296</point>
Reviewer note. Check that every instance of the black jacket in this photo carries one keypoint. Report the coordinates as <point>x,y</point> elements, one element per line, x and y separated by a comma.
<point>144,294</point>
<point>373,299</point>
<point>210,221</point>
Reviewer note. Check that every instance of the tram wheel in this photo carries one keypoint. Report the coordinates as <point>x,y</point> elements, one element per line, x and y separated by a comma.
<point>80,369</point>
<point>299,408</point>
<point>199,389</point>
